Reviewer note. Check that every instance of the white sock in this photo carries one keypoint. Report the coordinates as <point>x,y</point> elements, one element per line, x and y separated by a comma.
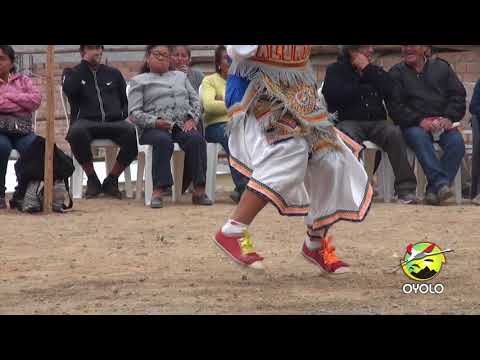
<point>313,245</point>
<point>234,228</point>
<point>317,235</point>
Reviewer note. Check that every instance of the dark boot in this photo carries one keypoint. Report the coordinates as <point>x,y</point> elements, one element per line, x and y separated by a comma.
<point>94,187</point>
<point>3,203</point>
<point>201,200</point>
<point>16,202</point>
<point>110,187</point>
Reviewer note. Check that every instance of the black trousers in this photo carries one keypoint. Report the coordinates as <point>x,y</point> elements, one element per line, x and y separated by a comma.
<point>82,132</point>
<point>192,143</point>
<point>390,138</point>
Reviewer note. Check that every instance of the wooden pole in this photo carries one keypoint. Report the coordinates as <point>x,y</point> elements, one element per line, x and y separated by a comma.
<point>50,133</point>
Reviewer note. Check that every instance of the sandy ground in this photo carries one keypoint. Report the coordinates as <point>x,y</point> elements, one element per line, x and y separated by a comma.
<point>119,257</point>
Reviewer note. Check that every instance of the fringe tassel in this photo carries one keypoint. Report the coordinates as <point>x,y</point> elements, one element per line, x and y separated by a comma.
<point>252,70</point>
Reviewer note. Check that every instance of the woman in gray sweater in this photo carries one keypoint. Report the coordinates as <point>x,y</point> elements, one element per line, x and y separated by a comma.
<point>166,109</point>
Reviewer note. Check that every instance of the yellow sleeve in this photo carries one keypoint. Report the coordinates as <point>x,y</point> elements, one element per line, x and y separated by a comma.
<point>210,99</point>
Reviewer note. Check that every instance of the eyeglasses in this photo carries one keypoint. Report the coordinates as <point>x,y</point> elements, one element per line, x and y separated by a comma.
<point>160,56</point>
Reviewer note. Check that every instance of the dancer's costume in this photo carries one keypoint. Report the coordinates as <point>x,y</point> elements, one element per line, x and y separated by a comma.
<point>282,137</point>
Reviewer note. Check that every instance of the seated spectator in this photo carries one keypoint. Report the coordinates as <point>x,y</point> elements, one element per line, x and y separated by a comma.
<point>98,99</point>
<point>215,113</point>
<point>181,61</point>
<point>19,99</point>
<point>475,111</point>
<point>428,99</point>
<point>166,109</point>
<point>357,89</point>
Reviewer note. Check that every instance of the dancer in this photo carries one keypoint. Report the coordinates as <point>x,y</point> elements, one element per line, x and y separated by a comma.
<point>284,141</point>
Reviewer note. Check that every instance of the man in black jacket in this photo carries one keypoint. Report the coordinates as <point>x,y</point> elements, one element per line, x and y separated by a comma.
<point>428,99</point>
<point>356,89</point>
<point>99,107</point>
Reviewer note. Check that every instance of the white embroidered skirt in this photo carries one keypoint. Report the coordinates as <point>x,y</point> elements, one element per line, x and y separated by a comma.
<point>325,187</point>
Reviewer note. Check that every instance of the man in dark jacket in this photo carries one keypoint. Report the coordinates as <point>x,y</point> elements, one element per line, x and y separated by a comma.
<point>356,89</point>
<point>99,107</point>
<point>428,99</point>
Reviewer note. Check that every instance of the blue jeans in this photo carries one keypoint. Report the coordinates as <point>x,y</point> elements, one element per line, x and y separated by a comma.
<point>439,172</point>
<point>8,142</point>
<point>215,134</point>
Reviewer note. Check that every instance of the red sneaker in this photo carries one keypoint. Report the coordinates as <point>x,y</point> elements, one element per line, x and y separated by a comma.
<point>325,258</point>
<point>240,249</point>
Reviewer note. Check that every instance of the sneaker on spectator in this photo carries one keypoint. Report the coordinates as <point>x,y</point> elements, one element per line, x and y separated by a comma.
<point>240,249</point>
<point>432,199</point>
<point>156,202</point>
<point>407,198</point>
<point>325,258</point>
<point>444,193</point>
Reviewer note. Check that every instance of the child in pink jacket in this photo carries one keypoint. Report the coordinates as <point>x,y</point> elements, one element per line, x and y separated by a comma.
<point>19,99</point>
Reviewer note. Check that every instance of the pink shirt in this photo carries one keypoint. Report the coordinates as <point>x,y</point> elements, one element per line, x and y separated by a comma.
<point>19,96</point>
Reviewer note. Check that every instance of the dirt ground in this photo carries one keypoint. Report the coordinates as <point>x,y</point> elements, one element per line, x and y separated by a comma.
<point>119,257</point>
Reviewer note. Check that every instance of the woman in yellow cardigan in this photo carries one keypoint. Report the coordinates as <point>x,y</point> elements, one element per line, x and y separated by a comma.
<point>215,113</point>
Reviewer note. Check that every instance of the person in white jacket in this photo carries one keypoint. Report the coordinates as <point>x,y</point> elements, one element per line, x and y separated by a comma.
<point>283,139</point>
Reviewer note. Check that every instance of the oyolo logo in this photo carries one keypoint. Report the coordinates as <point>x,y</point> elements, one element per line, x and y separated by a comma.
<point>422,262</point>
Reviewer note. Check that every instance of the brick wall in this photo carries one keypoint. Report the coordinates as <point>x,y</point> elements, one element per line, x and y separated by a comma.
<point>466,64</point>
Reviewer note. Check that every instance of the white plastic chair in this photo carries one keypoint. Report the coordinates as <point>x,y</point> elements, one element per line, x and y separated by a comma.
<point>144,170</point>
<point>212,161</point>
<point>111,151</point>
<point>468,150</point>
<point>386,175</point>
